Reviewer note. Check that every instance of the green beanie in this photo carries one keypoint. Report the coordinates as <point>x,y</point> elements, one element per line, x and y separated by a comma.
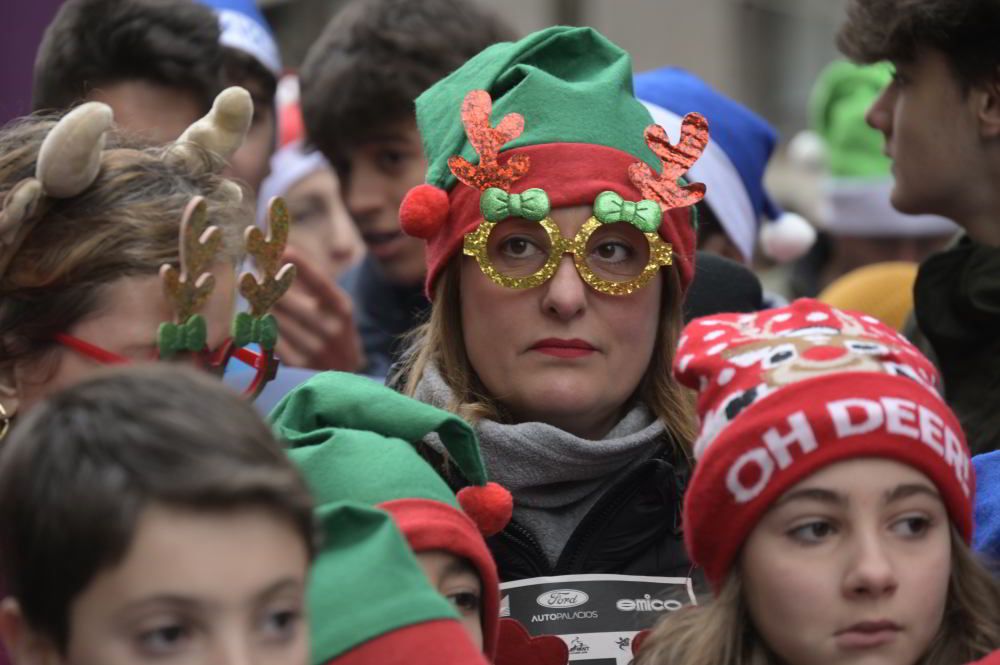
<point>840,99</point>
<point>365,582</point>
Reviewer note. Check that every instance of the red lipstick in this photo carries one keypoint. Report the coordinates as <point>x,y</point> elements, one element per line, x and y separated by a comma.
<point>563,348</point>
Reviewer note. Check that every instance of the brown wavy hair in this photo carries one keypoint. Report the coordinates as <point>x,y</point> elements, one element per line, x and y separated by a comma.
<point>441,342</point>
<point>125,224</point>
<point>722,631</point>
<point>965,31</point>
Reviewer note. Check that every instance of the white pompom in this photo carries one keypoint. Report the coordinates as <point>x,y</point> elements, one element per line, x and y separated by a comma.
<point>787,238</point>
<point>808,151</point>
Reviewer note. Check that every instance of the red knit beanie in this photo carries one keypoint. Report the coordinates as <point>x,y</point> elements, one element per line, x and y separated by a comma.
<point>433,525</point>
<point>786,392</point>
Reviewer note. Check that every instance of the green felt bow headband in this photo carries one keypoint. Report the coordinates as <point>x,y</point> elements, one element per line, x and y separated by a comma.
<point>645,215</point>
<point>531,204</point>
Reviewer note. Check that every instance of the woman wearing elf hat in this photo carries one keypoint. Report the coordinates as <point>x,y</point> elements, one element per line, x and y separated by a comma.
<point>831,504</point>
<point>113,252</point>
<point>560,243</point>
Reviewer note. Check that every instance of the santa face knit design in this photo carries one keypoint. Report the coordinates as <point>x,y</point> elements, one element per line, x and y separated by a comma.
<point>785,392</point>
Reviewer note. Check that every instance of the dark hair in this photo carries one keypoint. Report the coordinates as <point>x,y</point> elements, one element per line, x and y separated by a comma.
<point>374,59</point>
<point>77,473</point>
<point>91,43</point>
<point>242,69</point>
<point>964,30</point>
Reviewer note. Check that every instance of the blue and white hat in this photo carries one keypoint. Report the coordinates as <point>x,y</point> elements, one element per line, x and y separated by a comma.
<point>732,166</point>
<point>244,28</point>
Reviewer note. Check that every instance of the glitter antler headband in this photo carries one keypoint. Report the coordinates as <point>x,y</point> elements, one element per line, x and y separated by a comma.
<point>425,207</point>
<point>676,160</point>
<point>257,326</point>
<point>487,142</point>
<point>188,288</point>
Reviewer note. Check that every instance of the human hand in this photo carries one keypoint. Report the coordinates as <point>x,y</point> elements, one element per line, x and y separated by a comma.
<point>316,322</point>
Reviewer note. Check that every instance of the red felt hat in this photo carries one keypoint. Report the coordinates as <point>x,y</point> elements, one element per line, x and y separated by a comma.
<point>433,525</point>
<point>786,392</point>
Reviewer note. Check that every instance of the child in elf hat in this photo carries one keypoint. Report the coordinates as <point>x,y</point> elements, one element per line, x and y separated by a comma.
<point>359,81</point>
<point>940,116</point>
<point>831,504</point>
<point>560,246</point>
<point>354,440</point>
<point>371,604</point>
<point>148,514</point>
<point>114,252</point>
<point>156,63</point>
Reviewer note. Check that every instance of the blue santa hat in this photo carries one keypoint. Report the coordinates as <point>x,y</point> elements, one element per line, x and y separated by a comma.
<point>732,166</point>
<point>244,28</point>
<point>986,537</point>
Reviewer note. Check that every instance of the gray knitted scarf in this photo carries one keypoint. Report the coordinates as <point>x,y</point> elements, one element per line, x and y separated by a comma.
<point>555,477</point>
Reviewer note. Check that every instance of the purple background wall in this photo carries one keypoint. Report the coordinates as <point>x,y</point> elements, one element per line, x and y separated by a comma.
<point>22,23</point>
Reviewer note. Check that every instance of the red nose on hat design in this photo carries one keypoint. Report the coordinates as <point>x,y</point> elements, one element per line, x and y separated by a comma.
<point>785,392</point>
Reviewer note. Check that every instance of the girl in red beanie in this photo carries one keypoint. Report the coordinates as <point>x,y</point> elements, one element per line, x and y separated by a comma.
<point>831,504</point>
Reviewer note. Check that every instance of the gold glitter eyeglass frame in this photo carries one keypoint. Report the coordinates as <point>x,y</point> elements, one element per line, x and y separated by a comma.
<point>475,245</point>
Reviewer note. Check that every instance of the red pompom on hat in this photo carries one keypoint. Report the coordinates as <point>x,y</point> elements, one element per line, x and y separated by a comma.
<point>490,506</point>
<point>786,392</point>
<point>423,211</point>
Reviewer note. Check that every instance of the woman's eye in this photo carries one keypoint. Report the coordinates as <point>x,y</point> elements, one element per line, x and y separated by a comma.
<point>912,526</point>
<point>281,624</point>
<point>813,532</point>
<point>613,252</point>
<point>518,247</point>
<point>164,639</point>
<point>466,601</point>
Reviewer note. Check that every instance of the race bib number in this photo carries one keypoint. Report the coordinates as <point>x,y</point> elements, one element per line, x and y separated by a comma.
<point>596,615</point>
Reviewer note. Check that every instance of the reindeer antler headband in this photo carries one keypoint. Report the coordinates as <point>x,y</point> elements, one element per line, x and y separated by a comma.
<point>69,159</point>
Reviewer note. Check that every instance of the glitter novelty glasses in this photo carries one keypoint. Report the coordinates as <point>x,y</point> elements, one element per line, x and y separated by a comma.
<point>616,259</point>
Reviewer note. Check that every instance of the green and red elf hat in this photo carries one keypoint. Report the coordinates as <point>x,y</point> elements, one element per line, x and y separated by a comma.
<point>353,440</point>
<point>554,112</point>
<point>369,601</point>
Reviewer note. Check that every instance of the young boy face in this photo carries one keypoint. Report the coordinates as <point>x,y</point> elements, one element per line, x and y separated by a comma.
<point>379,172</point>
<point>196,588</point>
<point>457,580</point>
<point>932,135</point>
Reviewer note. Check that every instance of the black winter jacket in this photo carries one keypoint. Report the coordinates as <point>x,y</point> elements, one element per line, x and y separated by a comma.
<point>634,529</point>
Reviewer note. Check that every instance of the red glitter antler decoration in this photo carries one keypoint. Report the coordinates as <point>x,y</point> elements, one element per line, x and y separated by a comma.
<point>676,159</point>
<point>487,141</point>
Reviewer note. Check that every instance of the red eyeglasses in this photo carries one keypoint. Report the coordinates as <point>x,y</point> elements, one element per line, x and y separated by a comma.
<point>253,371</point>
